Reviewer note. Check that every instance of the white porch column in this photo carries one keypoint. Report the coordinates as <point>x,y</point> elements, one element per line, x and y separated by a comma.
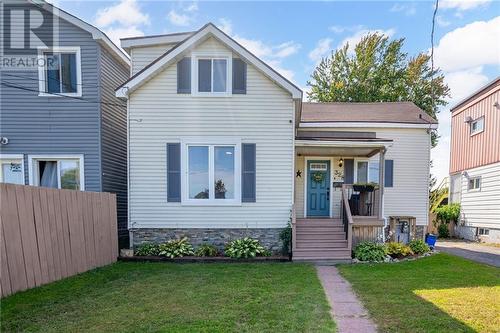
<point>381,181</point>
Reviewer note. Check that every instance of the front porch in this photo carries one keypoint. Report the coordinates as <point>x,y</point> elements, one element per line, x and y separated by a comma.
<point>331,213</point>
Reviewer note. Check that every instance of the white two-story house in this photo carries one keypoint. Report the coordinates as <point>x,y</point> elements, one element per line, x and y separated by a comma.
<point>221,146</point>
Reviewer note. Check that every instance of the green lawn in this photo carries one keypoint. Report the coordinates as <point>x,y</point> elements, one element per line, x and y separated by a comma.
<point>160,297</point>
<point>441,293</point>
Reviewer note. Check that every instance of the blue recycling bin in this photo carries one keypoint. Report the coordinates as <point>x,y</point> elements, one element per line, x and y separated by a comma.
<point>430,239</point>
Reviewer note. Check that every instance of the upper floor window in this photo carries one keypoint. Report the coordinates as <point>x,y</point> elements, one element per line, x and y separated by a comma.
<point>61,74</point>
<point>212,75</point>
<point>63,172</point>
<point>477,126</point>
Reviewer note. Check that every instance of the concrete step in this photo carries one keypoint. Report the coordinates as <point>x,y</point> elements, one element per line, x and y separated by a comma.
<point>321,237</point>
<point>321,245</point>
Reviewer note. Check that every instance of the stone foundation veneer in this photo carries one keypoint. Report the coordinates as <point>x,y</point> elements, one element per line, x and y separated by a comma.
<point>269,238</point>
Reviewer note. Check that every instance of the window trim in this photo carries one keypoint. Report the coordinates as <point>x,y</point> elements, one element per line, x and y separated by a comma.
<point>475,189</point>
<point>475,121</point>
<point>236,143</point>
<point>195,56</point>
<point>41,70</point>
<point>12,157</point>
<point>32,159</point>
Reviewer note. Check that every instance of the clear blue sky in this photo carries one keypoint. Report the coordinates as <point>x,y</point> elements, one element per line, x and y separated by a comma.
<point>293,36</point>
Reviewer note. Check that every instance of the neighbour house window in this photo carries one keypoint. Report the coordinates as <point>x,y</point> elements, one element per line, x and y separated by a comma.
<point>62,73</point>
<point>212,173</point>
<point>474,183</point>
<point>477,126</point>
<point>484,232</point>
<point>11,170</point>
<point>62,173</point>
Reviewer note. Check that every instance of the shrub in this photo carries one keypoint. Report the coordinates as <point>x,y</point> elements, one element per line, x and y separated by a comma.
<point>443,231</point>
<point>418,246</point>
<point>398,250</point>
<point>369,251</point>
<point>147,249</point>
<point>448,213</point>
<point>286,238</point>
<point>245,248</point>
<point>176,248</point>
<point>206,250</point>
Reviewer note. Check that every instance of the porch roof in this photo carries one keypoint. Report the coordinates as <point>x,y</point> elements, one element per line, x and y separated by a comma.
<point>365,147</point>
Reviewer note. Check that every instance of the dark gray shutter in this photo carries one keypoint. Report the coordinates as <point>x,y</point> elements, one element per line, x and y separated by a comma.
<point>184,76</point>
<point>389,173</point>
<point>348,171</point>
<point>239,76</point>
<point>173,172</point>
<point>248,175</point>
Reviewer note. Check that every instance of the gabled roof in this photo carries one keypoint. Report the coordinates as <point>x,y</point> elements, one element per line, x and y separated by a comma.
<point>208,30</point>
<point>380,112</point>
<point>152,40</point>
<point>95,32</point>
<point>486,89</point>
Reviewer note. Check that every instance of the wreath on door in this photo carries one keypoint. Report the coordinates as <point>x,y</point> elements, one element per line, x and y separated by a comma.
<point>318,177</point>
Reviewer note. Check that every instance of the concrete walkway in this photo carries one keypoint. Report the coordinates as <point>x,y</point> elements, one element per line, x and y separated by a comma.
<point>470,250</point>
<point>347,311</point>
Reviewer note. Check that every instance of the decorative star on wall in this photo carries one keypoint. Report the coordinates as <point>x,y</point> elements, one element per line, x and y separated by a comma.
<point>299,174</point>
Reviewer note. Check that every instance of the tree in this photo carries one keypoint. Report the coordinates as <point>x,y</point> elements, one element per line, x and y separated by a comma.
<point>379,71</point>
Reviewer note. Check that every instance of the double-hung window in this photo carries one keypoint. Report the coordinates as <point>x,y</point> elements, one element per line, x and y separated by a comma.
<point>61,73</point>
<point>65,172</point>
<point>212,174</point>
<point>212,74</point>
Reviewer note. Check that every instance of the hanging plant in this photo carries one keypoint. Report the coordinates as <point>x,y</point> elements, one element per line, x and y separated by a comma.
<point>318,177</point>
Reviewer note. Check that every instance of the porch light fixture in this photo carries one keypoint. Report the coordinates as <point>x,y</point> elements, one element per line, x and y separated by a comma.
<point>341,162</point>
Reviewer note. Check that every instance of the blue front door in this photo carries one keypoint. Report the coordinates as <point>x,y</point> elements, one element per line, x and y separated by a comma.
<point>318,188</point>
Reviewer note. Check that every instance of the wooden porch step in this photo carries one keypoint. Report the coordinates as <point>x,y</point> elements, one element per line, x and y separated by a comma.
<point>320,237</point>
<point>321,245</point>
<point>321,254</point>
<point>319,222</point>
<point>320,229</point>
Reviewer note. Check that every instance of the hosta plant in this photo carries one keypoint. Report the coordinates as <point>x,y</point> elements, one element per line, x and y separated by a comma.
<point>206,250</point>
<point>369,251</point>
<point>176,248</point>
<point>398,250</point>
<point>147,249</point>
<point>245,248</point>
<point>418,246</point>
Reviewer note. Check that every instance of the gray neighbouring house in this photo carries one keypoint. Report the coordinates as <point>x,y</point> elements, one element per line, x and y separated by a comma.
<point>62,126</point>
<point>222,146</point>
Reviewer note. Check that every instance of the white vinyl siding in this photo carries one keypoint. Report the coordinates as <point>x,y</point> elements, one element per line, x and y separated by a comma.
<point>263,116</point>
<point>411,153</point>
<point>143,56</point>
<point>481,208</point>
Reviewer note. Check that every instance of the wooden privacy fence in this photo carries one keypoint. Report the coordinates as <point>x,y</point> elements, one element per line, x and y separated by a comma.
<point>49,234</point>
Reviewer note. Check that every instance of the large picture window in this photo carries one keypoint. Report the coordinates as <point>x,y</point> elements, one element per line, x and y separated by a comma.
<point>212,174</point>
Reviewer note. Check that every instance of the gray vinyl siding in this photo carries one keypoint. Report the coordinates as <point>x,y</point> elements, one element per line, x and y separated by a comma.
<point>55,125</point>
<point>114,136</point>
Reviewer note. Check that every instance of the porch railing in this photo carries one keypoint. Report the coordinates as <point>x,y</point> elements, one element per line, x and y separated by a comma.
<point>293,219</point>
<point>362,203</point>
<point>347,217</point>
